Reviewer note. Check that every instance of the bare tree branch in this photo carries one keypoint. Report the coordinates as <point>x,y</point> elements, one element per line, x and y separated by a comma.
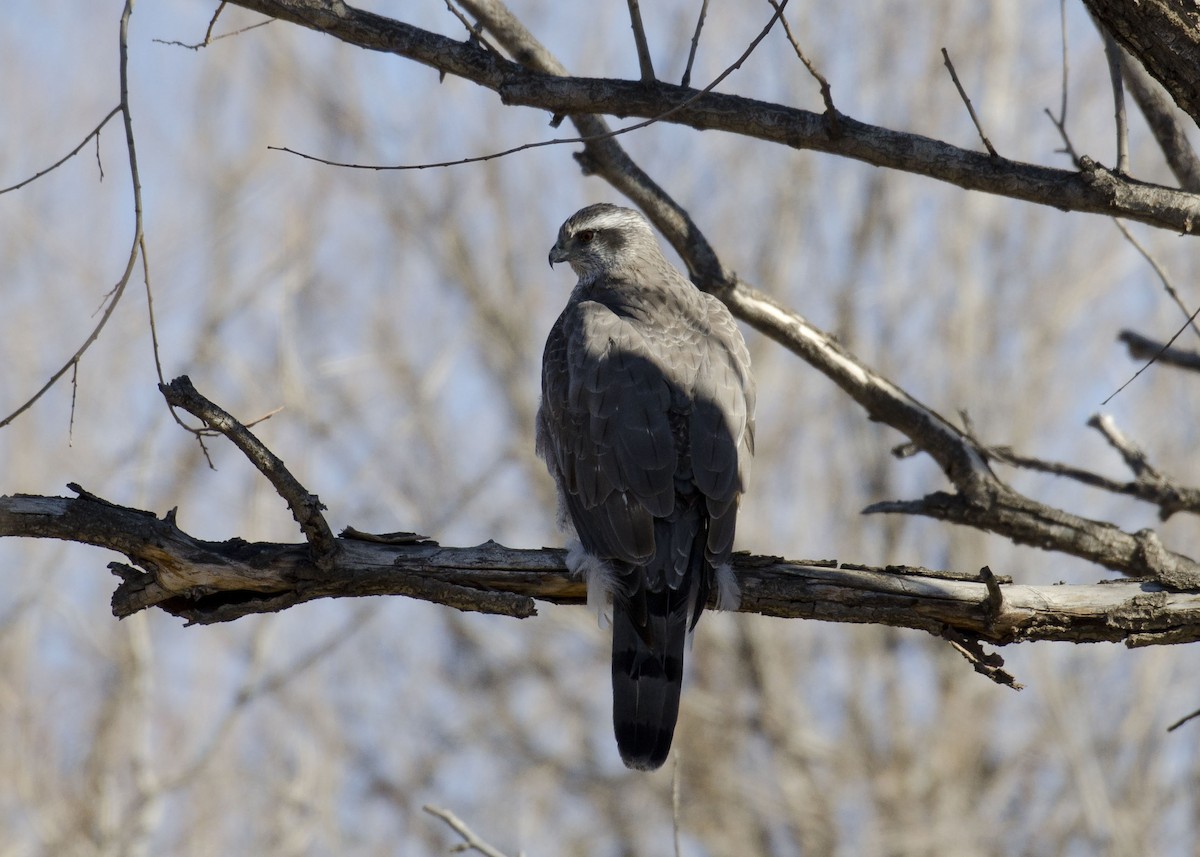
<point>471,840</point>
<point>687,71</point>
<point>1025,521</point>
<point>1161,272</point>
<point>209,38</point>
<point>95,132</point>
<point>206,582</point>
<point>962,93</point>
<point>114,295</point>
<point>1093,189</point>
<point>1164,122</point>
<point>1148,485</point>
<point>587,138</point>
<point>306,508</point>
<point>639,38</point>
<point>831,112</point>
<point>1113,53</point>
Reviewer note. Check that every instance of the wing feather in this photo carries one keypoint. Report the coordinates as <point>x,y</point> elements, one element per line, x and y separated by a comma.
<point>604,428</point>
<point>605,425</point>
<point>721,429</point>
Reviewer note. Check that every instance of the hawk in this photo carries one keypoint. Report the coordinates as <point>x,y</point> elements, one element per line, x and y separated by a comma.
<point>647,427</point>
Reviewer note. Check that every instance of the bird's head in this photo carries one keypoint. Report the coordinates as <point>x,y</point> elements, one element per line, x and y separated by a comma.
<point>600,238</point>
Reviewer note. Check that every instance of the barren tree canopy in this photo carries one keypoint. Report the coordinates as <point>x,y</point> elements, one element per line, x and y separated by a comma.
<point>274,302</point>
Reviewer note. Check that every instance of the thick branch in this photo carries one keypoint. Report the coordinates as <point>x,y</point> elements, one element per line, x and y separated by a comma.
<point>208,582</point>
<point>1164,35</point>
<point>1095,189</point>
<point>1028,522</point>
<point>880,398</point>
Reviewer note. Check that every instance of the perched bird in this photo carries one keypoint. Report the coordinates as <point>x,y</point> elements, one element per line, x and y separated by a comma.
<point>647,427</point>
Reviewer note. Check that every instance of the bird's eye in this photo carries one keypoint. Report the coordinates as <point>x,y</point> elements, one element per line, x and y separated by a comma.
<point>586,236</point>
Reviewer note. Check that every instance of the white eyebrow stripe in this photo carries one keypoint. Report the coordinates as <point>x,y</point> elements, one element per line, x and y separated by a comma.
<point>604,220</point>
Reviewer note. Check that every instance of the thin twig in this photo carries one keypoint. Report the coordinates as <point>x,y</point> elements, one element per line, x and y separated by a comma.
<point>471,842</point>
<point>208,41</point>
<point>826,91</point>
<point>1060,122</point>
<point>476,30</point>
<point>150,315</point>
<point>212,22</point>
<point>208,33</point>
<point>1148,484</point>
<point>1086,163</point>
<point>1163,119</point>
<point>1062,15</point>
<point>95,132</point>
<point>252,423</point>
<point>1006,455</point>
<point>675,805</point>
<point>119,289</point>
<point>558,140</point>
<point>198,432</point>
<point>639,39</point>
<point>74,397</point>
<point>1163,276</point>
<point>1113,53</point>
<point>687,72</point>
<point>967,101</point>
<point>209,38</point>
<point>99,160</point>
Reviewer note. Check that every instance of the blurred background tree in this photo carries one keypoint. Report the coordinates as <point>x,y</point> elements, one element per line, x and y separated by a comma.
<point>398,318</point>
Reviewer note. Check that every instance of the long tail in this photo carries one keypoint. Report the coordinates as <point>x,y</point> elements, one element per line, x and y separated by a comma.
<point>650,628</point>
<point>647,678</point>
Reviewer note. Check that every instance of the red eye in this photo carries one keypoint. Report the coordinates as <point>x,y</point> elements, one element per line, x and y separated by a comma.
<point>586,236</point>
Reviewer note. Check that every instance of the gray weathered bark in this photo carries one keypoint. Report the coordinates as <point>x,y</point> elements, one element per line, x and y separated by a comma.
<point>206,582</point>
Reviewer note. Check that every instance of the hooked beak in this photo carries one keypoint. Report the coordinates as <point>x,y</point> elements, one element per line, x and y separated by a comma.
<point>557,254</point>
